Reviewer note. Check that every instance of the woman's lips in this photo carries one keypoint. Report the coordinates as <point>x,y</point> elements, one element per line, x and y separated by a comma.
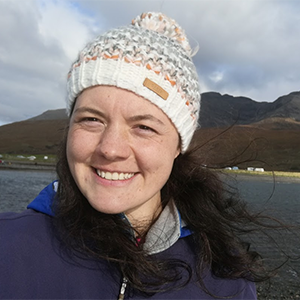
<point>114,175</point>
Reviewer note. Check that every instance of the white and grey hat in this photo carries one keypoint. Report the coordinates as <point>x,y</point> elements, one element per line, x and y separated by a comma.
<point>152,58</point>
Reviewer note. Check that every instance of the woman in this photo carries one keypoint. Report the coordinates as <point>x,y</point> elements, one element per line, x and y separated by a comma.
<point>133,214</point>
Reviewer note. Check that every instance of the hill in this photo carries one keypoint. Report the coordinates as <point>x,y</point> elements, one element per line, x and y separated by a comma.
<point>269,131</point>
<point>250,146</point>
<point>32,137</point>
<point>57,114</point>
<point>224,110</point>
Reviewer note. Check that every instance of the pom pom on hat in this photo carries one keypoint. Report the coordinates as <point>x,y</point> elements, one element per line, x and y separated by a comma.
<point>164,25</point>
<point>152,58</point>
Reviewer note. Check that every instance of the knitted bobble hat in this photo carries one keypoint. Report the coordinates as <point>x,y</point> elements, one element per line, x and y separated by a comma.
<point>152,58</point>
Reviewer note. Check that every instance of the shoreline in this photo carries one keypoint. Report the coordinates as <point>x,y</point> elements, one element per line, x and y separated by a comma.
<point>271,176</point>
<point>34,166</point>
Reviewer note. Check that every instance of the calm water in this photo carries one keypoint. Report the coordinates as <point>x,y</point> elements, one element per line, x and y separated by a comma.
<point>18,188</point>
<point>278,196</point>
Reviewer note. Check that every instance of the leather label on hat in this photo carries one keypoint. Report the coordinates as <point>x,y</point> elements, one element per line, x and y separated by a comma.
<point>156,88</point>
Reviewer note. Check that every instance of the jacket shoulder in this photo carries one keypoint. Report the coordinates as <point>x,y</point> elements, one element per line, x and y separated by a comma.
<point>28,217</point>
<point>19,229</point>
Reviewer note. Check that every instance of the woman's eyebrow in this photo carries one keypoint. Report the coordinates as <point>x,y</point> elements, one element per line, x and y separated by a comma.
<point>146,117</point>
<point>90,110</point>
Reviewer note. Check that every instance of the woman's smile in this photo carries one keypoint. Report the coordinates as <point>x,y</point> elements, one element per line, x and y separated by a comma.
<point>114,175</point>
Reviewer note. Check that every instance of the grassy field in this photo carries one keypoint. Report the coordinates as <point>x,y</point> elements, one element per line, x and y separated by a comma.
<point>245,147</point>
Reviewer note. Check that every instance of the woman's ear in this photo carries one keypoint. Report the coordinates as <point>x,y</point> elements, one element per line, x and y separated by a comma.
<point>177,153</point>
<point>178,147</point>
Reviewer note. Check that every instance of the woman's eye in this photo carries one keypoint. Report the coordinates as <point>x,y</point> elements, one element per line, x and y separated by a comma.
<point>146,128</point>
<point>90,122</point>
<point>90,119</point>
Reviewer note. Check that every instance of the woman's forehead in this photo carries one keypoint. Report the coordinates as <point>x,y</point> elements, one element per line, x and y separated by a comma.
<point>118,100</point>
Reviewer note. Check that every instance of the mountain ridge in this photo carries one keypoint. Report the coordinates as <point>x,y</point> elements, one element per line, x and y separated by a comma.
<point>250,122</point>
<point>226,110</point>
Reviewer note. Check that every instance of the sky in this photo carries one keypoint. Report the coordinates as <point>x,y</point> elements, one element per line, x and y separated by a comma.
<point>247,48</point>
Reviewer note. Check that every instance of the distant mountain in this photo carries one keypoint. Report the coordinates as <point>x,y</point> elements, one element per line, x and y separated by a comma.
<point>224,110</point>
<point>57,114</point>
<point>273,129</point>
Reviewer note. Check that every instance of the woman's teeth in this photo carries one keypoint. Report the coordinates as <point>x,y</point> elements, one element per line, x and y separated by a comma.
<point>114,175</point>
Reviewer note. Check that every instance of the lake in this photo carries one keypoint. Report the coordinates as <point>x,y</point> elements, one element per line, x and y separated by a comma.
<point>20,187</point>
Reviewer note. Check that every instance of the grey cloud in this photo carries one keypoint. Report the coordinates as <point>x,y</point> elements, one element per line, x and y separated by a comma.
<point>30,67</point>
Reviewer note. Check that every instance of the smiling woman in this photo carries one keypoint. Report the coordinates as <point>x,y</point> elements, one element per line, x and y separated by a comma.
<point>134,214</point>
<point>130,147</point>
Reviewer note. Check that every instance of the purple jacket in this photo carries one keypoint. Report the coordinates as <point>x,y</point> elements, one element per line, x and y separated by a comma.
<point>33,264</point>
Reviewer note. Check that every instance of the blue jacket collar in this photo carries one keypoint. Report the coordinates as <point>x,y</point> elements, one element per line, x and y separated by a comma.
<point>43,202</point>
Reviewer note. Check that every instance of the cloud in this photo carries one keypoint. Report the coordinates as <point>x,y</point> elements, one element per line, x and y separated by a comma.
<point>246,47</point>
<point>39,42</point>
<point>252,44</point>
<point>63,22</point>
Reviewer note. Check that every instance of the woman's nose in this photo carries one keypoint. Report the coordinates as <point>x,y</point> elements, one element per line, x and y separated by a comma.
<point>114,143</point>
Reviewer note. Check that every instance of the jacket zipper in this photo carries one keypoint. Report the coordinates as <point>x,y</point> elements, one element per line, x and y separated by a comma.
<point>123,289</point>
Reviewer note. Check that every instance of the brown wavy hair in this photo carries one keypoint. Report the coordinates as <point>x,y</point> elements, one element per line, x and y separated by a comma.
<point>219,220</point>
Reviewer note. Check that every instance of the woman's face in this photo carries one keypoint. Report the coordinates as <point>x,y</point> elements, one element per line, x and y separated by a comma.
<point>120,150</point>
